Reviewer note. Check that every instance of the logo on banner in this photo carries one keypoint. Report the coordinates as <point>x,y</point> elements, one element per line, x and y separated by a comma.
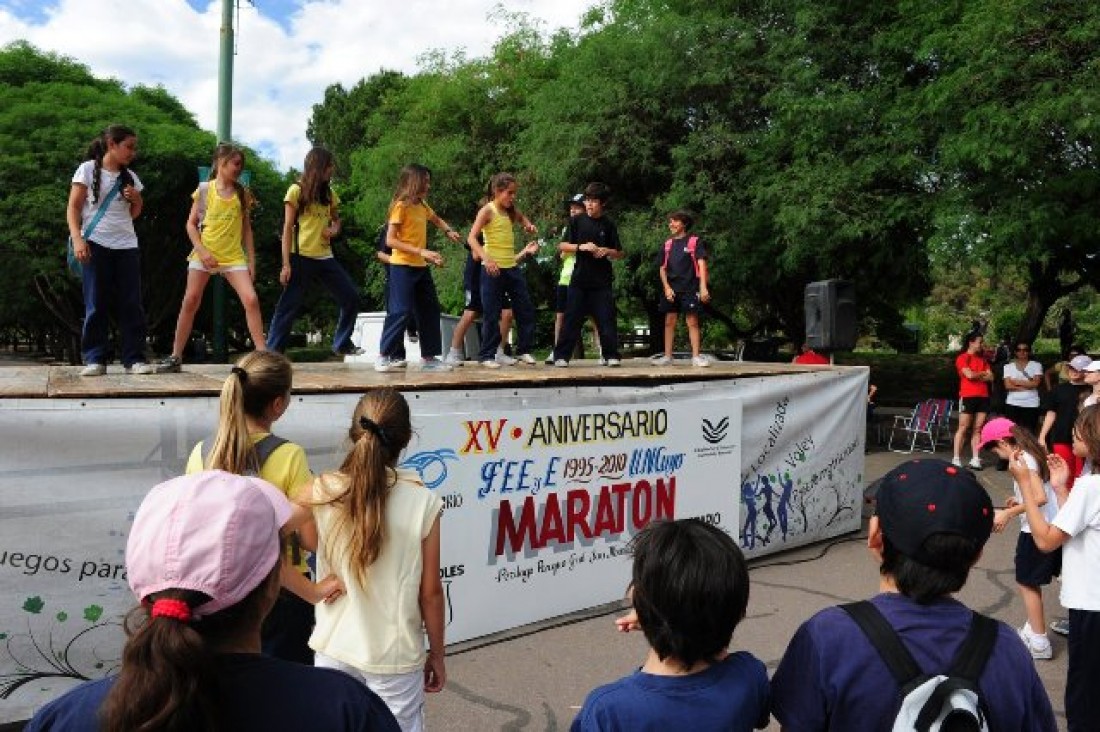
<point>431,465</point>
<point>714,433</point>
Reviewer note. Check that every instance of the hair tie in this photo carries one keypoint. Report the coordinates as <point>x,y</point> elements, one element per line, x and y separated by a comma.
<point>241,373</point>
<point>371,426</point>
<point>171,608</point>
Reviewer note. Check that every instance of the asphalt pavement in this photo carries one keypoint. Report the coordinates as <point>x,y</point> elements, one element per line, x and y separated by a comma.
<point>536,679</point>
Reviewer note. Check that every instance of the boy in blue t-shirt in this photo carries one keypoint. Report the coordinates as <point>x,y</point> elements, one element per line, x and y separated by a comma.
<point>690,589</point>
<point>683,269</point>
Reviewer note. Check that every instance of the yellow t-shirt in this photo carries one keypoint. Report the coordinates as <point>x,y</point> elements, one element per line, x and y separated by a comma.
<point>287,468</point>
<point>500,239</point>
<point>376,627</point>
<point>311,222</point>
<point>222,226</point>
<point>410,225</point>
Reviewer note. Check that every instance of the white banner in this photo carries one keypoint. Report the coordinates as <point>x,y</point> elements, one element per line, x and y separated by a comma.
<point>785,470</point>
<point>541,504</point>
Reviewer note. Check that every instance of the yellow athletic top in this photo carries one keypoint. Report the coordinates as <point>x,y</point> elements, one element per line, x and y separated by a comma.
<point>500,239</point>
<point>287,468</point>
<point>222,226</point>
<point>409,222</point>
<point>311,222</point>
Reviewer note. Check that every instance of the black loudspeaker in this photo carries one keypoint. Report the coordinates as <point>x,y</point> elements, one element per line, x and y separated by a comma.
<point>831,315</point>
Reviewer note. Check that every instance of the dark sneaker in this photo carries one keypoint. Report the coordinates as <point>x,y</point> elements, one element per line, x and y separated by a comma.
<point>170,365</point>
<point>350,350</point>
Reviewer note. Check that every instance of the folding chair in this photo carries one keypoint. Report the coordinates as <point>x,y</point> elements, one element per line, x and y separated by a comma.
<point>920,422</point>
<point>942,426</point>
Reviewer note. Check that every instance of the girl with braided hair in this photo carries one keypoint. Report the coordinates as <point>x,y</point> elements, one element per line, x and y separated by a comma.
<point>106,191</point>
<point>378,529</point>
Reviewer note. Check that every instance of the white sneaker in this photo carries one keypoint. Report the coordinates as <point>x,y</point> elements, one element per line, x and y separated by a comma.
<point>613,362</point>
<point>454,357</point>
<point>490,364</point>
<point>526,359</point>
<point>561,363</point>
<point>700,361</point>
<point>549,359</point>
<point>974,464</point>
<point>385,364</point>
<point>957,462</point>
<point>94,369</point>
<point>141,368</point>
<point>434,364</point>
<point>504,359</point>
<point>601,361</point>
<point>1038,645</point>
<point>662,360</point>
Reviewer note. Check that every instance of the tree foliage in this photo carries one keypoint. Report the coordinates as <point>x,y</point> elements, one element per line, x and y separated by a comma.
<point>50,108</point>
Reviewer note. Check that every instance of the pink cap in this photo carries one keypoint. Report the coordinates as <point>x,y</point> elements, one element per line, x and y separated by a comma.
<point>212,532</point>
<point>996,429</point>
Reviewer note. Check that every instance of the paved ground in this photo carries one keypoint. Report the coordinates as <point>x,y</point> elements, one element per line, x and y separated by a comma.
<point>537,680</point>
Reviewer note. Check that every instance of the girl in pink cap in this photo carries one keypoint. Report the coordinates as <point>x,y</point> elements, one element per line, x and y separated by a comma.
<point>1033,568</point>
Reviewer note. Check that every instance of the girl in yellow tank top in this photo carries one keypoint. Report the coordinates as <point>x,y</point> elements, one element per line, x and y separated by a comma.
<point>498,256</point>
<point>223,245</point>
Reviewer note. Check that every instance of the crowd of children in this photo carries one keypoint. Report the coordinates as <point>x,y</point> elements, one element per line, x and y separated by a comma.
<point>104,247</point>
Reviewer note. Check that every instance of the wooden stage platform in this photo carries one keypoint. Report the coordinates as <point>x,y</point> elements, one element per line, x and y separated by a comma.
<point>65,382</point>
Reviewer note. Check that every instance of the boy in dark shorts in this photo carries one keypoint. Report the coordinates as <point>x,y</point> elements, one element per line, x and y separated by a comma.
<point>683,273</point>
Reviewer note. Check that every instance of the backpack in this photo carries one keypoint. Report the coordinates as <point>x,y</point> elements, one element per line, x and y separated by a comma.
<point>947,702</point>
<point>692,241</point>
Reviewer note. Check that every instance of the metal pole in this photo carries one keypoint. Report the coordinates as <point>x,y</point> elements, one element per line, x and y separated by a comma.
<point>225,127</point>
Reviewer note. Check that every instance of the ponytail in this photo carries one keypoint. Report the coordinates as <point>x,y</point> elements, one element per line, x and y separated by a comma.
<point>169,680</point>
<point>254,383</point>
<point>380,431</point>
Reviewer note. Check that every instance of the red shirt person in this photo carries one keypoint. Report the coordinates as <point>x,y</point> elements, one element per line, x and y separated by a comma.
<point>975,376</point>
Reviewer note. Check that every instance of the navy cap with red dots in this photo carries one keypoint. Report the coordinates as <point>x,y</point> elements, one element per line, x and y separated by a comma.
<point>920,498</point>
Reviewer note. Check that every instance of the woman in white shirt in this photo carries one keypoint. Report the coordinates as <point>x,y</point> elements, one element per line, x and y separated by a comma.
<point>1021,380</point>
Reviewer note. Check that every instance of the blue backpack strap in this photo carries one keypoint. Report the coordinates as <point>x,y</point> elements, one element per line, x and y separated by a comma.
<point>102,210</point>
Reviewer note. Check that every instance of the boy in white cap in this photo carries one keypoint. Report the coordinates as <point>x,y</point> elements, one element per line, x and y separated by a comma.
<point>203,560</point>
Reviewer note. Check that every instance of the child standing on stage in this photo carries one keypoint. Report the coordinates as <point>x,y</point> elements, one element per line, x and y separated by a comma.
<point>312,220</point>
<point>575,207</point>
<point>498,257</point>
<point>379,531</point>
<point>255,395</point>
<point>220,231</point>
<point>594,238</point>
<point>384,254</point>
<point>1076,528</point>
<point>411,288</point>
<point>1033,568</point>
<point>111,263</point>
<point>471,285</point>
<point>683,273</point>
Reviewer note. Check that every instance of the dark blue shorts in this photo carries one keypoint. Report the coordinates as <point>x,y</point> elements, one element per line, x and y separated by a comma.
<point>681,302</point>
<point>1033,567</point>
